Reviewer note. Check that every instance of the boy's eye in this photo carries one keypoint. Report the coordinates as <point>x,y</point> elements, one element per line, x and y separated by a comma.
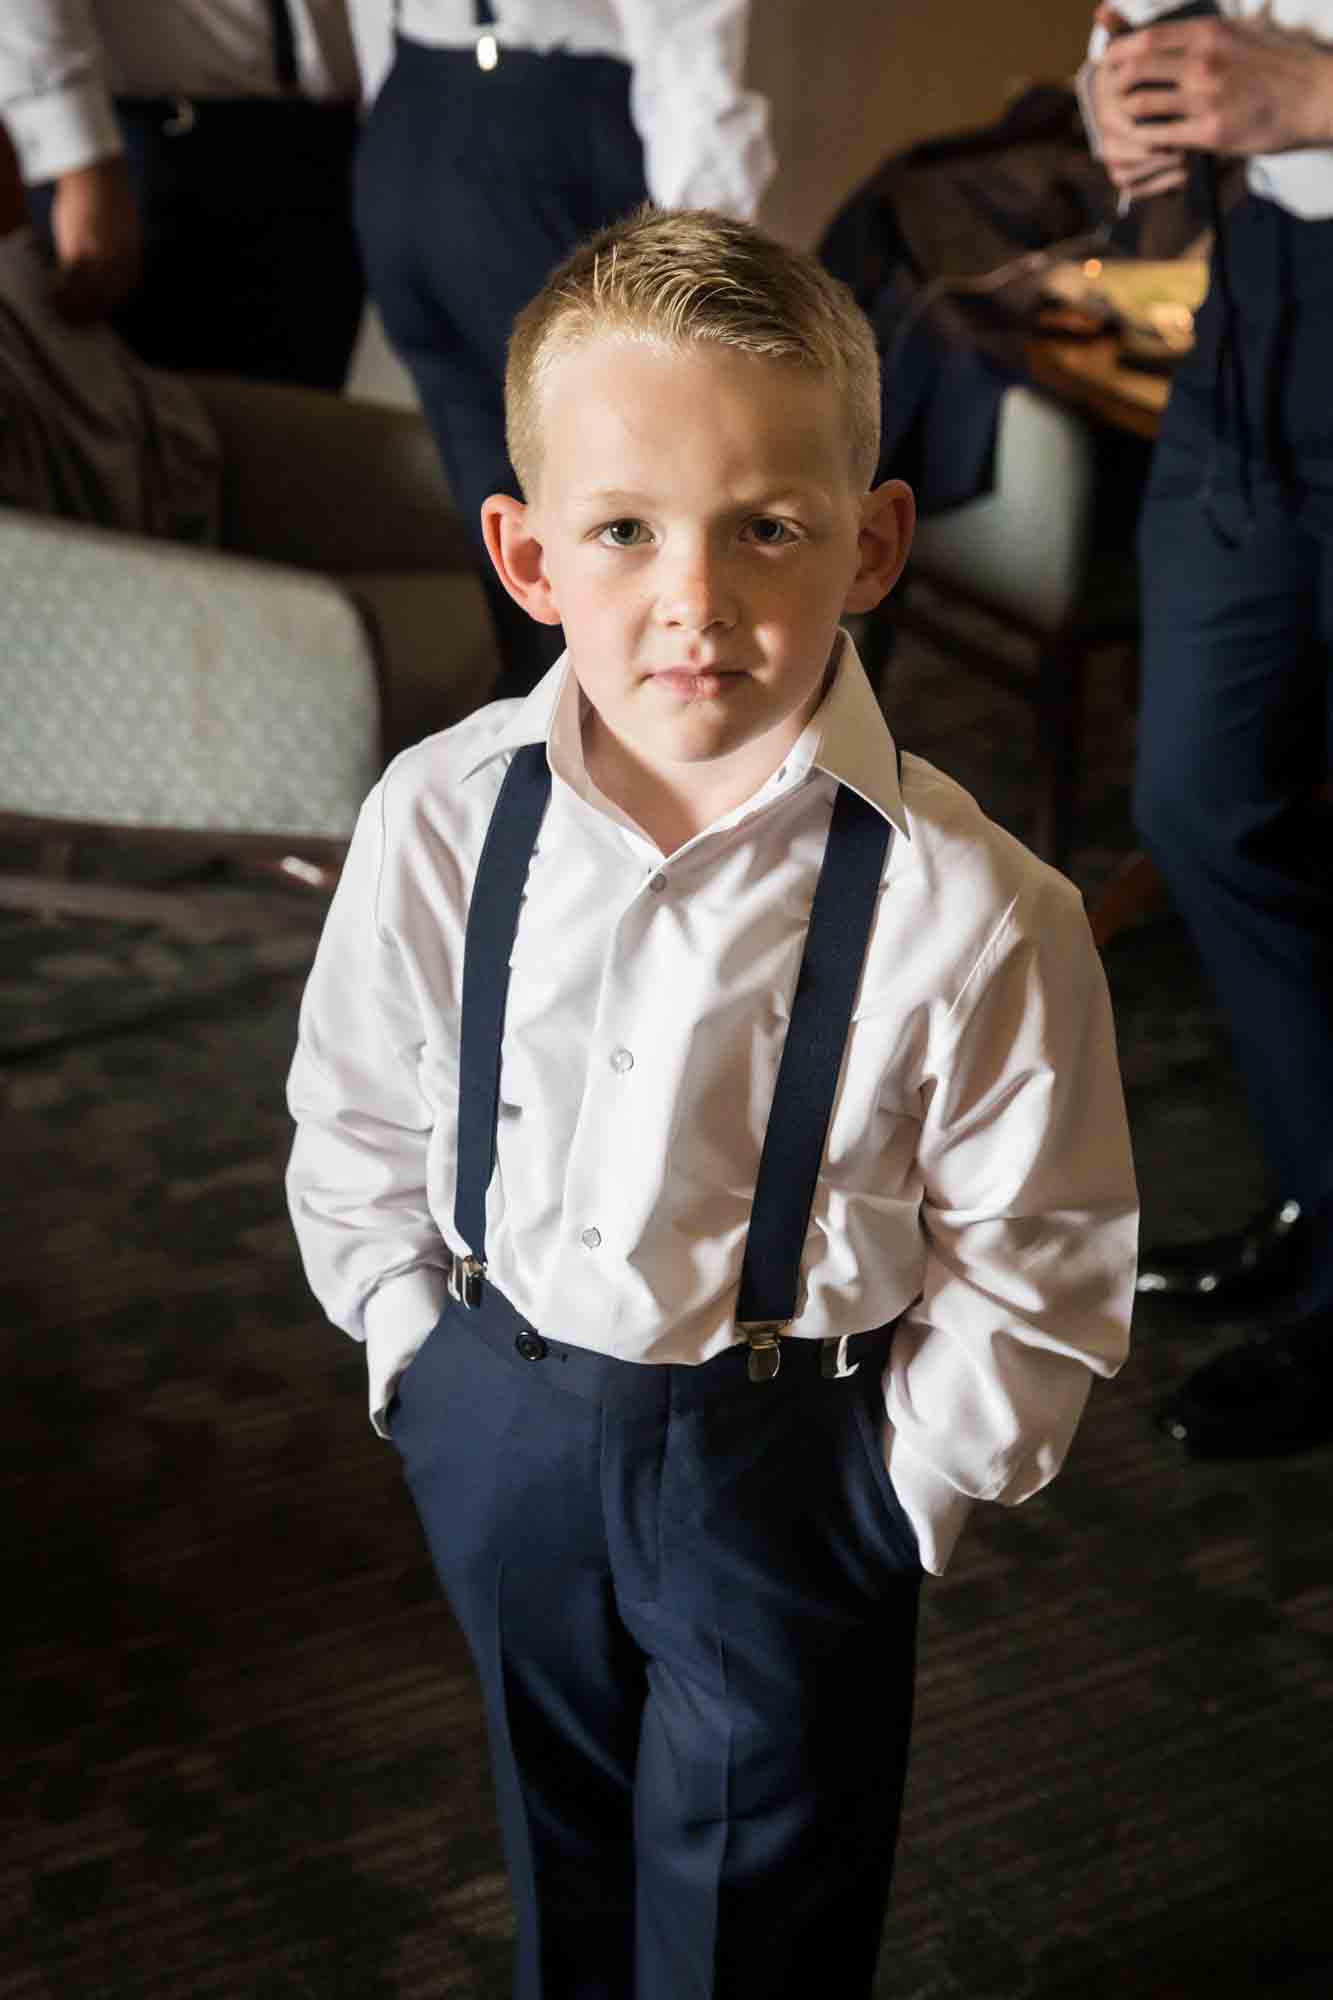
<point>623,534</point>
<point>770,532</point>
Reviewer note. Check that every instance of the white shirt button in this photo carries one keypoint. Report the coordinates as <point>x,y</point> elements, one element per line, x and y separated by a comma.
<point>590,1238</point>
<point>657,883</point>
<point>621,1060</point>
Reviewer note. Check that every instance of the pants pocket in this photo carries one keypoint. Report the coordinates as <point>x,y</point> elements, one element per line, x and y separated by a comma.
<point>869,1419</point>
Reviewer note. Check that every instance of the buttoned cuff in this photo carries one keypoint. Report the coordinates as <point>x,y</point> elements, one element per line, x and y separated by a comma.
<point>62,130</point>
<point>397,1319</point>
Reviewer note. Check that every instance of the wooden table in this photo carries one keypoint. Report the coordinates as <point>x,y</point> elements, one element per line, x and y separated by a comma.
<point>1091,374</point>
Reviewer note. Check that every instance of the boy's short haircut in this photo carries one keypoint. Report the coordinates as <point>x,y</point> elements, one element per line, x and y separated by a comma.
<point>686,276</point>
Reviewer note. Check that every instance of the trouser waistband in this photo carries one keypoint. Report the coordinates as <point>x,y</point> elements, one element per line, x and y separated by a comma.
<point>180,115</point>
<point>596,1377</point>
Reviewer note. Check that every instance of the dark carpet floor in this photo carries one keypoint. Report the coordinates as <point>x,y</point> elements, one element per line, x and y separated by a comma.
<point>242,1748</point>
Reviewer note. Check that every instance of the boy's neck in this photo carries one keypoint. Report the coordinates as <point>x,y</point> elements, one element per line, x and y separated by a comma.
<point>674,803</point>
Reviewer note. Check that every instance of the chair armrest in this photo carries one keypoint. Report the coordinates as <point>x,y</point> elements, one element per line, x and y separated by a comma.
<point>327,483</point>
<point>149,685</point>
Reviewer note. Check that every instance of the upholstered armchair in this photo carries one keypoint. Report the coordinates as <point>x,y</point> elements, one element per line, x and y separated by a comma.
<point>238,701</point>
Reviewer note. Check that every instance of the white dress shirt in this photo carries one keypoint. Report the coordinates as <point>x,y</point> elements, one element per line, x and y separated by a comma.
<point>705,137</point>
<point>977,1176</point>
<point>1300,181</point>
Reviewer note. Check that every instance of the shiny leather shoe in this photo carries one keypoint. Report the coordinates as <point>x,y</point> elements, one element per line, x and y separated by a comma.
<point>1266,1397</point>
<point>1263,1261</point>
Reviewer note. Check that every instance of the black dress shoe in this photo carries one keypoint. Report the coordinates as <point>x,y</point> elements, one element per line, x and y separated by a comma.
<point>1263,1261</point>
<point>1263,1398</point>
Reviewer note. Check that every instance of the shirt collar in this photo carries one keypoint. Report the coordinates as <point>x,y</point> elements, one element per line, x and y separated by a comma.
<point>529,720</point>
<point>854,743</point>
<point>847,737</point>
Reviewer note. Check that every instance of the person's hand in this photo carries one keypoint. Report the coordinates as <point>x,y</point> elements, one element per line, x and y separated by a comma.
<point>97,238</point>
<point>1219,86</point>
<point>1133,154</point>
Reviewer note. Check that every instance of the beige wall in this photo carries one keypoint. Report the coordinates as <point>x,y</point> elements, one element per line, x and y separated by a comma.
<point>853,80</point>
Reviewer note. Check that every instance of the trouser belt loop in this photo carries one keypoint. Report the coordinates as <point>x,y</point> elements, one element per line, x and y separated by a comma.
<point>833,1362</point>
<point>466,1280</point>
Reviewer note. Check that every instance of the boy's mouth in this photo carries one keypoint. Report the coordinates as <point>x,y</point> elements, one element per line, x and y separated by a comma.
<point>697,683</point>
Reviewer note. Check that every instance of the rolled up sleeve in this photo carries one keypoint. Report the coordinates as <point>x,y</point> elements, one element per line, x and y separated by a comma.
<point>54,95</point>
<point>1030,1217</point>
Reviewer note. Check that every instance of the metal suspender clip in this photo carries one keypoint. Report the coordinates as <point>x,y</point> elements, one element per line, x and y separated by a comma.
<point>465,1280</point>
<point>765,1355</point>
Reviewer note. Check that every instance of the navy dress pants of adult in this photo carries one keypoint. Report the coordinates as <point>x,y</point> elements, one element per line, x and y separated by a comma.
<point>692,1603</point>
<point>472,185</point>
<point>1237,721</point>
<point>250,259</point>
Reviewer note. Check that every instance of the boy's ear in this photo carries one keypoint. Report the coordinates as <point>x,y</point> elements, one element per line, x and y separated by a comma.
<point>888,517</point>
<point>507,528</point>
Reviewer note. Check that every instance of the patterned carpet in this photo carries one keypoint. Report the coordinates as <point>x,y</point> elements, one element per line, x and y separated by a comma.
<point>243,1747</point>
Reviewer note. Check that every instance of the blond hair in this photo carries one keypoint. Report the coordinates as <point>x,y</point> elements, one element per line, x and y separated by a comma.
<point>685,276</point>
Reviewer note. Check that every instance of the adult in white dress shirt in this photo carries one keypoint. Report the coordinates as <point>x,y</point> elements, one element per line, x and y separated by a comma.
<point>505,134</point>
<point>1237,719</point>
<point>191,168</point>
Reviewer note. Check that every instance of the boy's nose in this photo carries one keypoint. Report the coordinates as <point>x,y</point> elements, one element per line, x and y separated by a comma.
<point>696,596</point>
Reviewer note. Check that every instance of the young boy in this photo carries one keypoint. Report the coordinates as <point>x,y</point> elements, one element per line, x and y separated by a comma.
<point>714,1133</point>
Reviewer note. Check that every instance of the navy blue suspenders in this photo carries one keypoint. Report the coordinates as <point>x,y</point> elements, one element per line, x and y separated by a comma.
<point>839,929</point>
<point>492,920</point>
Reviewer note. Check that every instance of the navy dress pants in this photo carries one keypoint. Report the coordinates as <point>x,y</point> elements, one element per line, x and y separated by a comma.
<point>1237,721</point>
<point>472,185</point>
<point>251,265</point>
<point>692,1602</point>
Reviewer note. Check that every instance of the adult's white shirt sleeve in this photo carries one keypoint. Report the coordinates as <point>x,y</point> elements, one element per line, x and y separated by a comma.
<point>705,136</point>
<point>1030,1217</point>
<point>356,1180</point>
<point>54,95</point>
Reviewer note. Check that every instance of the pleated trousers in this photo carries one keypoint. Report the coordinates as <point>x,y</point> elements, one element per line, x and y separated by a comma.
<point>691,1599</point>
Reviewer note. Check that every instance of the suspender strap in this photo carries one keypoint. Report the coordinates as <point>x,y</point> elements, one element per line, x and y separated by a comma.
<point>835,947</point>
<point>492,920</point>
<point>284,44</point>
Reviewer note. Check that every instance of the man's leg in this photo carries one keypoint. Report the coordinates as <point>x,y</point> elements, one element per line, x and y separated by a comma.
<point>1233,756</point>
<point>470,189</point>
<point>250,261</point>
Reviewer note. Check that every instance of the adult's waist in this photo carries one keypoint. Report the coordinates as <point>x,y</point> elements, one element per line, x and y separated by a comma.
<point>453,24</point>
<point>560,67</point>
<point>231,115</point>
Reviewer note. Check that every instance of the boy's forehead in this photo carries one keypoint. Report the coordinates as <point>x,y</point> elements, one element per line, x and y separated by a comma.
<point>606,389</point>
